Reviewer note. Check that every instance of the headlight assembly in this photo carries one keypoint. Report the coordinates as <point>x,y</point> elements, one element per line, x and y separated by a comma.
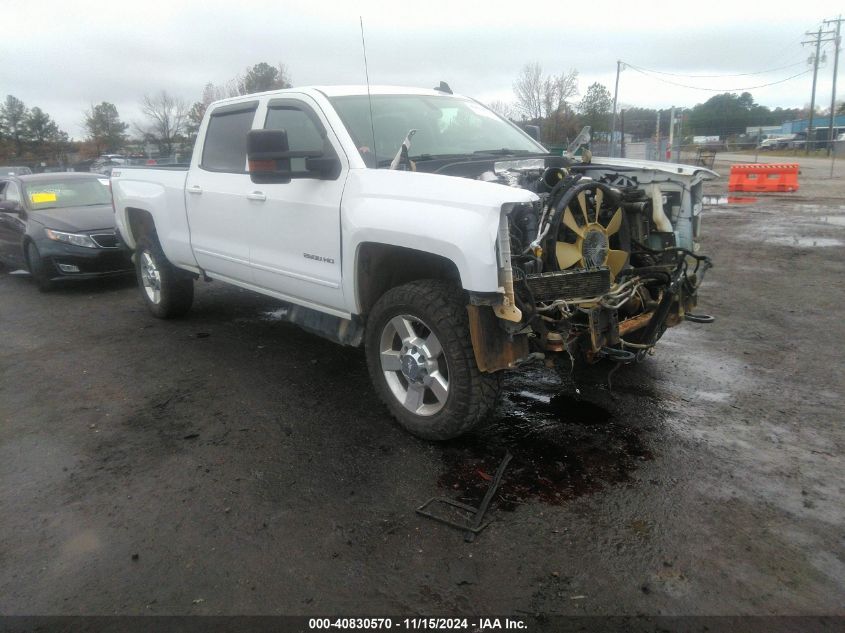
<point>77,239</point>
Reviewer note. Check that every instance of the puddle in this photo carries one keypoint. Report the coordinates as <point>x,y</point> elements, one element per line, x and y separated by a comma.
<point>838,220</point>
<point>717,201</point>
<point>275,315</point>
<point>805,242</point>
<point>563,447</point>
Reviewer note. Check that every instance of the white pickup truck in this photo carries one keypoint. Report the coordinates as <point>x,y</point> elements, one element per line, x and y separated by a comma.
<point>442,237</point>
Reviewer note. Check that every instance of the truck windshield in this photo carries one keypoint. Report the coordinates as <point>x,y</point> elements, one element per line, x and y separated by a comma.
<point>445,125</point>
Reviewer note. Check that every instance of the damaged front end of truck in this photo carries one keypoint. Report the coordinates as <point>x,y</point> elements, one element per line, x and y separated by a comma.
<point>598,267</point>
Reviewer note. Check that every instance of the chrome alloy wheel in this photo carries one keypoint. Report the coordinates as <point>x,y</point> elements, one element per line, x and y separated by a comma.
<point>151,277</point>
<point>414,365</point>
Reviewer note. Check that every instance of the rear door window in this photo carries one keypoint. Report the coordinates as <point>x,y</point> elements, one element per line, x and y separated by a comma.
<point>225,141</point>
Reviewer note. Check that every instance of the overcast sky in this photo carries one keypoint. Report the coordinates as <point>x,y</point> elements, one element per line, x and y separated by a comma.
<point>65,55</point>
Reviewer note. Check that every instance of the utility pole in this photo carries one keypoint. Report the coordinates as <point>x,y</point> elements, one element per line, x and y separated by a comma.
<point>837,42</point>
<point>813,94</point>
<point>622,133</point>
<point>657,137</point>
<point>818,43</point>
<point>670,149</point>
<point>615,97</point>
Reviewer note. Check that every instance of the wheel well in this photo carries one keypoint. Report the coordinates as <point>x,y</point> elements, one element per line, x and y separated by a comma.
<point>383,266</point>
<point>27,240</point>
<point>141,223</point>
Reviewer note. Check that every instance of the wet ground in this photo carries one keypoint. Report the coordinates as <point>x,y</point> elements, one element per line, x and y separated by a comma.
<point>228,463</point>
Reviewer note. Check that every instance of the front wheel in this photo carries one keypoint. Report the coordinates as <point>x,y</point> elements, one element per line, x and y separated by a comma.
<point>421,360</point>
<point>167,291</point>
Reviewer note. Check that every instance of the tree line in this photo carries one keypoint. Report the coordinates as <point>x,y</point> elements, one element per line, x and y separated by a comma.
<point>550,101</point>
<point>30,136</point>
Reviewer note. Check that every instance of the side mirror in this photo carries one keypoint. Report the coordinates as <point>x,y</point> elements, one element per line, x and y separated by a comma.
<point>268,156</point>
<point>533,131</point>
<point>10,206</point>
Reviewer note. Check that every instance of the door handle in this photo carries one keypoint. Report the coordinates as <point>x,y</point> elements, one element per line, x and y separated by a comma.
<point>256,195</point>
<point>194,189</point>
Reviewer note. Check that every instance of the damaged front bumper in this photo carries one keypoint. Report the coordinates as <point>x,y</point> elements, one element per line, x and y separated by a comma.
<point>621,325</point>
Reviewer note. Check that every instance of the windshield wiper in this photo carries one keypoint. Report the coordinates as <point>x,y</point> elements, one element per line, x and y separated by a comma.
<point>502,152</point>
<point>420,157</point>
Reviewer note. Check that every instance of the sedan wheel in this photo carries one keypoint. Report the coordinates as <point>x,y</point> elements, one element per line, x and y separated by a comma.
<point>37,268</point>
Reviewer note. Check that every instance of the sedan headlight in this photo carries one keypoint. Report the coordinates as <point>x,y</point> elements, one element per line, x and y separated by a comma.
<point>77,239</point>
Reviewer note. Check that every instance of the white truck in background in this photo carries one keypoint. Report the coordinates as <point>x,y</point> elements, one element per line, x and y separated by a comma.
<point>423,226</point>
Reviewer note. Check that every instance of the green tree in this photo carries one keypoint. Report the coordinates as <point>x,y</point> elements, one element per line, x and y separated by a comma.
<point>728,114</point>
<point>262,77</point>
<point>595,108</point>
<point>46,140</point>
<point>104,127</point>
<point>40,128</point>
<point>13,119</point>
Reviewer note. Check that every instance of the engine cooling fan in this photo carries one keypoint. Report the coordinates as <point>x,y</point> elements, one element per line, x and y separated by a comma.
<point>591,248</point>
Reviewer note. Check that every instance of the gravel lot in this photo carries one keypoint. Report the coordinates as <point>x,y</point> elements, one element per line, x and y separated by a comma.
<point>227,463</point>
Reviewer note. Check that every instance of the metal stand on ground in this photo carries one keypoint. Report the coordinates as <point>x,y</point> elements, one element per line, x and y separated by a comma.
<point>475,524</point>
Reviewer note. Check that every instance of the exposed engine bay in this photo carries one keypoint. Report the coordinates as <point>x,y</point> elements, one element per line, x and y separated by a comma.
<point>607,258</point>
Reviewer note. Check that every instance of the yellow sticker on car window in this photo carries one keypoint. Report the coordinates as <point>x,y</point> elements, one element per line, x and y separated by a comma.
<point>45,196</point>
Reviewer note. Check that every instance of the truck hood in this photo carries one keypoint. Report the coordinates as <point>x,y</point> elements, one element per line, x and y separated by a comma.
<point>412,188</point>
<point>76,218</point>
<point>669,168</point>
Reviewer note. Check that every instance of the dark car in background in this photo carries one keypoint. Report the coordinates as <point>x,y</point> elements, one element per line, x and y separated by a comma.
<point>105,163</point>
<point>14,170</point>
<point>60,227</point>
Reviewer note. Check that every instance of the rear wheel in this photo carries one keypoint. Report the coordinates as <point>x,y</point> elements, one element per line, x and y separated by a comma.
<point>167,291</point>
<point>422,363</point>
<point>38,268</point>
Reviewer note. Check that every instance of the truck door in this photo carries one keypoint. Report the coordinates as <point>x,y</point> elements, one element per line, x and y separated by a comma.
<point>296,225</point>
<point>216,190</point>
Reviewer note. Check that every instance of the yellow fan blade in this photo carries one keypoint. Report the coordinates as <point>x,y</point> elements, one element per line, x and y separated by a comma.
<point>582,200</point>
<point>598,200</point>
<point>615,223</point>
<point>567,254</point>
<point>616,260</point>
<point>570,223</point>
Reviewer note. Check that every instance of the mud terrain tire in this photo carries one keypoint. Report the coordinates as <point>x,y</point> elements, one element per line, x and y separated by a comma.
<point>400,365</point>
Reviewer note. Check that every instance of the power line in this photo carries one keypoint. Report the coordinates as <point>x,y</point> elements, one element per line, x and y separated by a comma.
<point>759,72</point>
<point>647,73</point>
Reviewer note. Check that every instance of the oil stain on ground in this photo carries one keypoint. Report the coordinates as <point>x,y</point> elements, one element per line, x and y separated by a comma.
<point>563,446</point>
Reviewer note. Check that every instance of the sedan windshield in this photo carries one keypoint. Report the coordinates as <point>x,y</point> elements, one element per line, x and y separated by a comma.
<point>445,125</point>
<point>60,194</point>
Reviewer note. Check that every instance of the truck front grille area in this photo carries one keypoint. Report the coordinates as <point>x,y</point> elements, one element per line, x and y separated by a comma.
<point>569,284</point>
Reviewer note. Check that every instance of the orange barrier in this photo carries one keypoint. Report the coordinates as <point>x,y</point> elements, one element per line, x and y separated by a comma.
<point>764,177</point>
